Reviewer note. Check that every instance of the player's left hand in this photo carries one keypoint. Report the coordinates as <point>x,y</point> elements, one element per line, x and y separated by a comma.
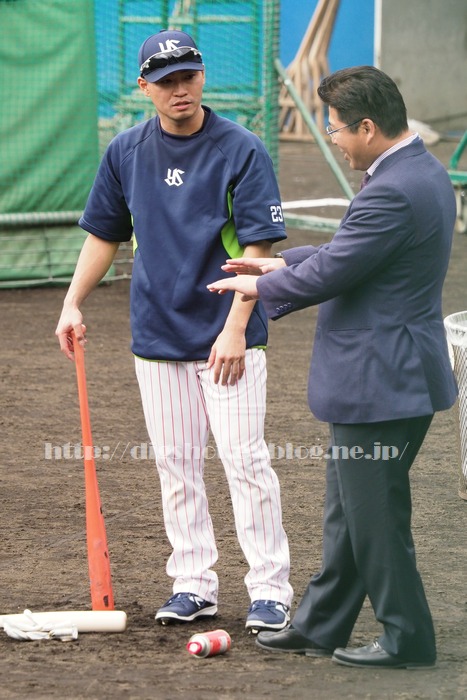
<point>227,357</point>
<point>245,284</point>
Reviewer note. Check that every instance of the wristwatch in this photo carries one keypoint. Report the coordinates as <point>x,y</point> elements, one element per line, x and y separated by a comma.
<point>278,255</point>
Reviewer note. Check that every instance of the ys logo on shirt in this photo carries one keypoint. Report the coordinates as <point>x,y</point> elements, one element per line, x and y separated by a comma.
<point>174,177</point>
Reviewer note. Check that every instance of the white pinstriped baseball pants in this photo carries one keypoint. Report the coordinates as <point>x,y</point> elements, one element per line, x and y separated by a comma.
<point>181,403</point>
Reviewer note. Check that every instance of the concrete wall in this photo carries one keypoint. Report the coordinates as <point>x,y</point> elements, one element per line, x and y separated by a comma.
<point>423,47</point>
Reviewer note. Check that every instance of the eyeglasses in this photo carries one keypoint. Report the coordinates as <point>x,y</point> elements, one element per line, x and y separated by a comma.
<point>330,131</point>
<point>183,54</point>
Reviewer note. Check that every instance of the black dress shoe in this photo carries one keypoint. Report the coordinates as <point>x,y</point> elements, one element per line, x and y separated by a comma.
<point>374,656</point>
<point>289,640</point>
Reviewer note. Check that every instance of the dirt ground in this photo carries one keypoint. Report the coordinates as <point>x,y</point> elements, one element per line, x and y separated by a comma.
<point>43,545</point>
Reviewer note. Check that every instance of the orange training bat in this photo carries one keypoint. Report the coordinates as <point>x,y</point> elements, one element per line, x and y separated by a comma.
<point>98,555</point>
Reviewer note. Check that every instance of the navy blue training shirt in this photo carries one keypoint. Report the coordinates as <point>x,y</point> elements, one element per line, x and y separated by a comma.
<point>191,202</point>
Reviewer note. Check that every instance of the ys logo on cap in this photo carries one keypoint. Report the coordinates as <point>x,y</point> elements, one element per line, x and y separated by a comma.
<point>170,45</point>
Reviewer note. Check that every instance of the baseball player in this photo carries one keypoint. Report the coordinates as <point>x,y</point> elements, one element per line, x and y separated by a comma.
<point>192,187</point>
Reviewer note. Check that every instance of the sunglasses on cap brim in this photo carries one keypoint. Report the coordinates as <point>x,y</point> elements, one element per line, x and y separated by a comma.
<point>184,54</point>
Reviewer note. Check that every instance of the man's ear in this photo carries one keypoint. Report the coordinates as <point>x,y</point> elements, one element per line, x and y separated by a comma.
<point>368,125</point>
<point>143,85</point>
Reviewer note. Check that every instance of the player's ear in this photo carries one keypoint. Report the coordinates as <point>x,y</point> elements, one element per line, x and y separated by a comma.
<point>143,85</point>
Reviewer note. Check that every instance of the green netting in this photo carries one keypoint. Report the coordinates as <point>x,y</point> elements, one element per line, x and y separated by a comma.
<point>48,137</point>
<point>49,105</point>
<point>68,71</point>
<point>39,255</point>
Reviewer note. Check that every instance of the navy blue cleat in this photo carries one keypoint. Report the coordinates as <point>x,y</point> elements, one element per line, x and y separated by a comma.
<point>267,615</point>
<point>185,607</point>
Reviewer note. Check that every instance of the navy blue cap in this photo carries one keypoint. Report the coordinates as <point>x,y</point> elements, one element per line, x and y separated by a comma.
<point>166,41</point>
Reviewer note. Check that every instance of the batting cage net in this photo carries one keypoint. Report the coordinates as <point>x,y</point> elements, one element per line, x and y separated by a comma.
<point>79,62</point>
<point>456,331</point>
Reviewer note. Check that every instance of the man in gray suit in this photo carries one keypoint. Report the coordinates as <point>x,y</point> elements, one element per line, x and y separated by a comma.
<point>379,371</point>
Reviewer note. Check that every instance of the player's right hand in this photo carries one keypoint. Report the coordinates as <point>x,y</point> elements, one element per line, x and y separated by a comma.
<point>69,322</point>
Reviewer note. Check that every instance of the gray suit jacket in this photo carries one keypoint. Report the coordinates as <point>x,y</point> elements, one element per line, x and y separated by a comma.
<point>380,350</point>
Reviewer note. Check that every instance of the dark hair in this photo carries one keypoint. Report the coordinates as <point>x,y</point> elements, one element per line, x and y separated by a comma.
<point>365,91</point>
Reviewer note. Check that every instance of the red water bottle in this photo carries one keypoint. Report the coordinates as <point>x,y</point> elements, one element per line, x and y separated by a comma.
<point>209,643</point>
